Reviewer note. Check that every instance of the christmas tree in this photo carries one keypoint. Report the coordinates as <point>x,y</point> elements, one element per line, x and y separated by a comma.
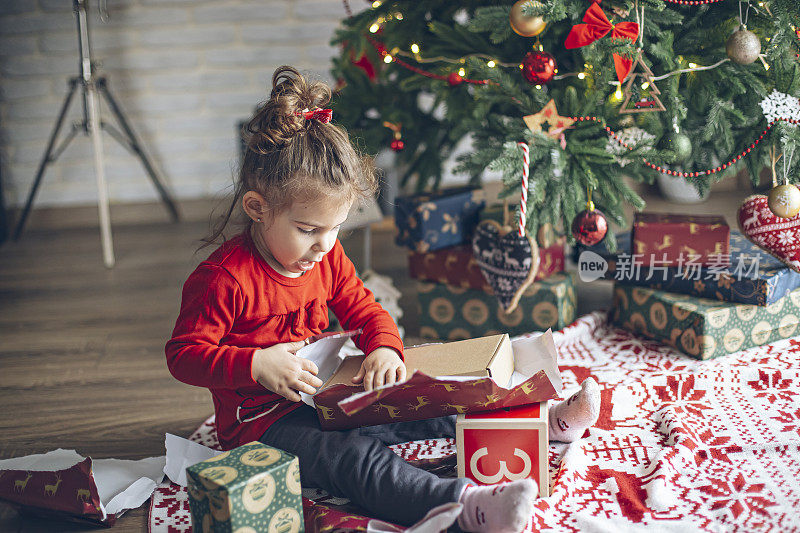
<point>692,88</point>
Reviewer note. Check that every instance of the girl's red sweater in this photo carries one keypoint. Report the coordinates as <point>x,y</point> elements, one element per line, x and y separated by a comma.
<point>234,303</point>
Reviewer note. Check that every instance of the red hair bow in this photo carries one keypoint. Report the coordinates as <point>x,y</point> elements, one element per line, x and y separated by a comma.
<point>597,26</point>
<point>323,115</point>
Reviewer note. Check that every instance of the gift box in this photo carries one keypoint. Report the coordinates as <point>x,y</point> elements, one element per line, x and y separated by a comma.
<point>448,312</point>
<point>701,327</point>
<point>673,240</point>
<point>754,277</point>
<point>449,378</point>
<point>457,266</point>
<point>432,221</point>
<point>251,488</point>
<point>504,445</point>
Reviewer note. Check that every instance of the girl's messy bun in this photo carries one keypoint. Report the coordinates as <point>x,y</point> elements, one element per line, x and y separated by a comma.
<point>290,157</point>
<point>280,119</point>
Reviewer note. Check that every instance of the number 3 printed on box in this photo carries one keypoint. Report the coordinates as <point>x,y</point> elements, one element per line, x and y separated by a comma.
<point>503,472</point>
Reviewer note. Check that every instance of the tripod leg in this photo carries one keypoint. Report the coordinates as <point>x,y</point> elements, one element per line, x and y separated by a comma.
<point>136,146</point>
<point>73,83</point>
<point>99,169</point>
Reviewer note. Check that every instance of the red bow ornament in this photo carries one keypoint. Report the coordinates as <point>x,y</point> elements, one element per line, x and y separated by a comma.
<point>323,115</point>
<point>596,27</point>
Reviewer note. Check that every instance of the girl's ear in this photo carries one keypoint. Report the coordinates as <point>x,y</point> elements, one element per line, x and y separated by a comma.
<point>254,205</point>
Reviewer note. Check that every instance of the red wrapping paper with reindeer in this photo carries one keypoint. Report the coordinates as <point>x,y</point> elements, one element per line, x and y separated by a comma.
<point>681,240</point>
<point>62,484</point>
<point>450,378</point>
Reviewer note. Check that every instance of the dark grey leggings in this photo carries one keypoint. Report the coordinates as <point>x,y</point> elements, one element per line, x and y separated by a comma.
<point>356,464</point>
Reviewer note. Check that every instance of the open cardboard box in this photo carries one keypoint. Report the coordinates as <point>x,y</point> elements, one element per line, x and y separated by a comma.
<point>457,377</point>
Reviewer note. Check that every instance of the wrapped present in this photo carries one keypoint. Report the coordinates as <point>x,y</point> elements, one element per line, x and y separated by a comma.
<point>753,277</point>
<point>432,221</point>
<point>251,488</point>
<point>701,327</point>
<point>448,312</point>
<point>673,240</point>
<point>504,445</point>
<point>457,266</point>
<point>444,378</point>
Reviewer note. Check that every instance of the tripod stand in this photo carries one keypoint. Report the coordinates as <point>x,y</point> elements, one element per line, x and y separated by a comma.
<point>91,86</point>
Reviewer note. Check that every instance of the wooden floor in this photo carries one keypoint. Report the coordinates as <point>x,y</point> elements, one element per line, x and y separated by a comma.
<point>81,347</point>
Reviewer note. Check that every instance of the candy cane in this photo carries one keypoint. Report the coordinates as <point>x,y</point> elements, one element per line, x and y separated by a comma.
<point>523,202</point>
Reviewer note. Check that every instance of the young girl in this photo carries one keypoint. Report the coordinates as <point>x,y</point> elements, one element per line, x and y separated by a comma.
<point>251,305</point>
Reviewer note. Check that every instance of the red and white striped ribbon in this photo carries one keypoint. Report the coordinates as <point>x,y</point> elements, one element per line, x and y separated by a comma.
<point>523,202</point>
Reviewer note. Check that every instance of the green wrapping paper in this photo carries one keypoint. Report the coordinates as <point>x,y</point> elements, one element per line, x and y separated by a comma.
<point>704,328</point>
<point>248,489</point>
<point>447,312</point>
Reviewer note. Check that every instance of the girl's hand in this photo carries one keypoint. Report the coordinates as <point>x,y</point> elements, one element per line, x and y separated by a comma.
<point>382,366</point>
<point>278,369</point>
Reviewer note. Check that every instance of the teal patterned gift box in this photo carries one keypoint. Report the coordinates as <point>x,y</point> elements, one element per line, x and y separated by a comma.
<point>701,327</point>
<point>252,488</point>
<point>448,312</point>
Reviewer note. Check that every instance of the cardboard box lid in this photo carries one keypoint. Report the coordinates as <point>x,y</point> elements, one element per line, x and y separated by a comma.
<point>485,356</point>
<point>490,356</point>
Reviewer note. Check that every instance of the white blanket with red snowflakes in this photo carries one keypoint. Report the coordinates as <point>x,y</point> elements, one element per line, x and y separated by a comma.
<point>681,444</point>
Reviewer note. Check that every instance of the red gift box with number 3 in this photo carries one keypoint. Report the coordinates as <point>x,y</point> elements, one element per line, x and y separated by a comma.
<point>504,445</point>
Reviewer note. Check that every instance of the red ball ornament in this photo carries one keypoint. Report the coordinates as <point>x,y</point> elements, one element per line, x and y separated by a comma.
<point>538,67</point>
<point>589,227</point>
<point>397,145</point>
<point>454,79</point>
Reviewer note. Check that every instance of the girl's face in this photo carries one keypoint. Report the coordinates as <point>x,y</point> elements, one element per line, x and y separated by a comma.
<point>298,238</point>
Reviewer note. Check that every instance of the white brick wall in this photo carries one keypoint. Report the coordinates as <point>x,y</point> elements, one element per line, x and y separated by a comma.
<point>184,71</point>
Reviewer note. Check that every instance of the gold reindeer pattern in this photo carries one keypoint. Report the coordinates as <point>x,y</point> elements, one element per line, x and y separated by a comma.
<point>50,490</point>
<point>422,401</point>
<point>20,484</point>
<point>391,410</point>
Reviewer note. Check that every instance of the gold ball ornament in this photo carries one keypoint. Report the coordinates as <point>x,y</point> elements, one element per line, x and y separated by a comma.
<point>743,46</point>
<point>784,201</point>
<point>524,25</point>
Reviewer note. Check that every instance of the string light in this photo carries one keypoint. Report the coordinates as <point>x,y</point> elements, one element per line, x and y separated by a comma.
<point>692,65</point>
<point>581,75</point>
<point>374,28</point>
<point>415,48</point>
<point>645,85</point>
<point>376,4</point>
<point>388,58</point>
<point>462,72</point>
<point>491,64</point>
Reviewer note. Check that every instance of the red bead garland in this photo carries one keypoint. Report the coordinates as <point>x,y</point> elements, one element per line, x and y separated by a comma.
<point>693,2</point>
<point>697,173</point>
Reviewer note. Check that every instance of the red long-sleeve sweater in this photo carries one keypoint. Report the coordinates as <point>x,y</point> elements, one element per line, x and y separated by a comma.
<point>235,303</point>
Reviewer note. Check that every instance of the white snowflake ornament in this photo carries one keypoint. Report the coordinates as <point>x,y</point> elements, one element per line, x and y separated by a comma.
<point>632,136</point>
<point>780,105</point>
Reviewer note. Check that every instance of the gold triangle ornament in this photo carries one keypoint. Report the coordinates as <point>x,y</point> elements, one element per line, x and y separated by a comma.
<point>644,103</point>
